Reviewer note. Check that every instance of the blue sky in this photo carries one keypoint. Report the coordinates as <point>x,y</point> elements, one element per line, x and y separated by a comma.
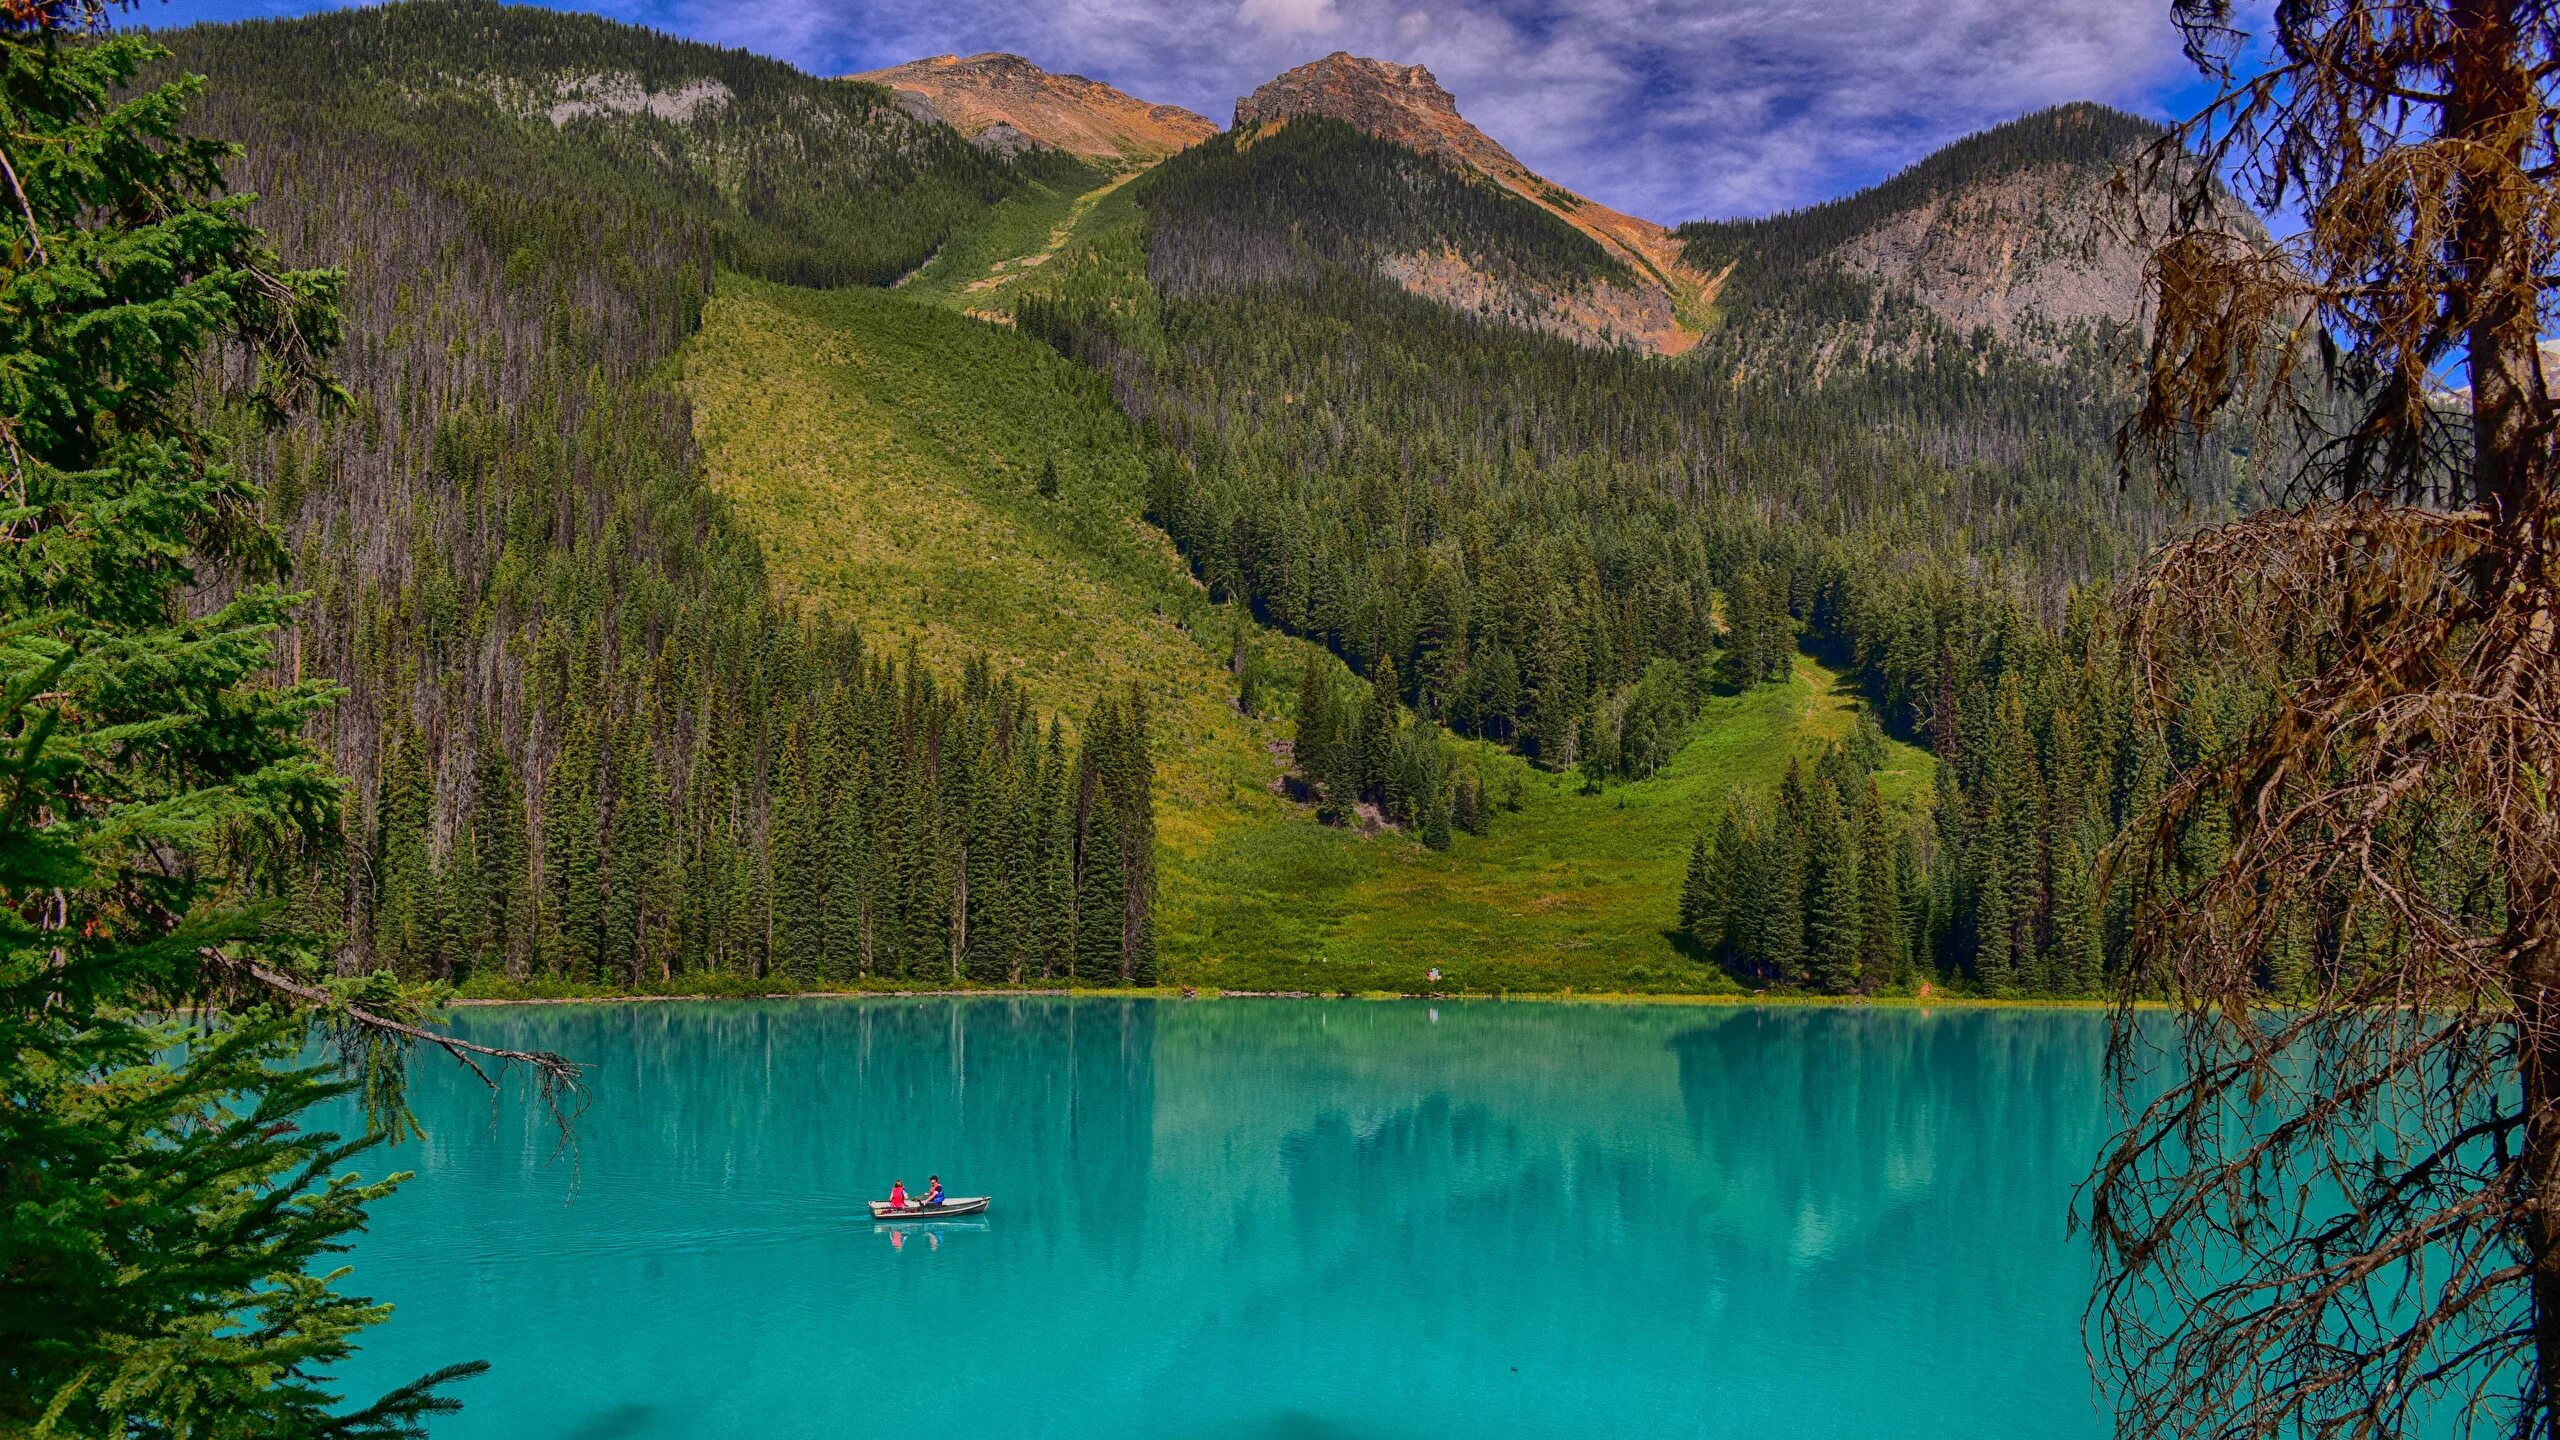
<point>1671,109</point>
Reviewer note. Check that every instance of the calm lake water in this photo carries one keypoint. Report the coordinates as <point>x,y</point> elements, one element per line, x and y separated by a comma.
<point>1256,1219</point>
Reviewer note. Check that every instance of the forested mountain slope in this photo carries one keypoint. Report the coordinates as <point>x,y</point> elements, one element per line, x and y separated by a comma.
<point>1532,540</point>
<point>959,487</point>
<point>2008,237</point>
<point>587,743</point>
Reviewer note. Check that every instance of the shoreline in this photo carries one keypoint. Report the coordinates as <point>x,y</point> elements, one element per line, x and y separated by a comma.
<point>1180,994</point>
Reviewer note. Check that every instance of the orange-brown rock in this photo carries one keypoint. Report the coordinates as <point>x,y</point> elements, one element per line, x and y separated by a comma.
<point>1407,105</point>
<point>1006,96</point>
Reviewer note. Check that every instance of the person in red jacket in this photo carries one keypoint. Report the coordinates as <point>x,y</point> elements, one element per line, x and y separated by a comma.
<point>898,1197</point>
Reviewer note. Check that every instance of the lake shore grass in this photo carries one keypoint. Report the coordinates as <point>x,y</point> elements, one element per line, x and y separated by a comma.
<point>476,998</point>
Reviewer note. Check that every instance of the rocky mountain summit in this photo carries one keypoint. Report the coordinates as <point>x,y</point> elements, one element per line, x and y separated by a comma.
<point>1402,103</point>
<point>1407,105</point>
<point>1008,104</point>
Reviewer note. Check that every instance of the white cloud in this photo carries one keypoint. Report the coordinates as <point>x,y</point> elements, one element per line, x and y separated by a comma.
<point>1288,16</point>
<point>1669,108</point>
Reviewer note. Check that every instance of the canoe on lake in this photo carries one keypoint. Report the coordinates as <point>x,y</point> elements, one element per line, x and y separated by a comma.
<point>955,1206</point>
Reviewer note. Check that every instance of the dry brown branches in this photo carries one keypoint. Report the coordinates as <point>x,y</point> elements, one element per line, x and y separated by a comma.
<point>2339,1212</point>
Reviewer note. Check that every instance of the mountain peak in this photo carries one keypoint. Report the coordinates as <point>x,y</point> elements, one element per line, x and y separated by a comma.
<point>1009,98</point>
<point>1406,105</point>
<point>1402,103</point>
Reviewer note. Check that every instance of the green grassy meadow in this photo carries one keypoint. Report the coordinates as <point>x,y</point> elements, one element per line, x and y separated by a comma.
<point>976,271</point>
<point>887,449</point>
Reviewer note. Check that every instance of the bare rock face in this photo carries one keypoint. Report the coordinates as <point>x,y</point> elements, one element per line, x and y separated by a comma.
<point>1002,139</point>
<point>1407,105</point>
<point>2008,253</point>
<point>2027,233</point>
<point>616,93</point>
<point>980,94</point>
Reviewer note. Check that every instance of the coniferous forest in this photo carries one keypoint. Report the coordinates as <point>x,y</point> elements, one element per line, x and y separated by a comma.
<point>1562,549</point>
<point>586,742</point>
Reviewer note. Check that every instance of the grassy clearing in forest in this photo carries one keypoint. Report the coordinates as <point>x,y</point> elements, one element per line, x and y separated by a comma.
<point>1572,891</point>
<point>975,271</point>
<point>888,452</point>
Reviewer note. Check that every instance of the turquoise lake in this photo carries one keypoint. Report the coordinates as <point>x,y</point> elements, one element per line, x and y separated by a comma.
<point>1255,1219</point>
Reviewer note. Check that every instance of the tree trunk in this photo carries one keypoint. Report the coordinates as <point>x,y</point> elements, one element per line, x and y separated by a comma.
<point>2490,94</point>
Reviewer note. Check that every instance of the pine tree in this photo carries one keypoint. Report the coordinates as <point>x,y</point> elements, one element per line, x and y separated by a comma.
<point>1100,893</point>
<point>405,899</point>
<point>572,853</point>
<point>1884,937</point>
<point>642,890</point>
<point>161,1174</point>
<point>799,857</point>
<point>1057,927</point>
<point>1700,917</point>
<point>1782,868</point>
<point>846,909</point>
<point>2076,936</point>
<point>506,879</point>
<point>1136,803</point>
<point>1833,895</point>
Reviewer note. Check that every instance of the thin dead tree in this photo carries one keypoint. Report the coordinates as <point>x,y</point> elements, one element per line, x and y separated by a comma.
<point>2333,1207</point>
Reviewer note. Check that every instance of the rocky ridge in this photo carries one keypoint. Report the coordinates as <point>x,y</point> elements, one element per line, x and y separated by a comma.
<point>1008,104</point>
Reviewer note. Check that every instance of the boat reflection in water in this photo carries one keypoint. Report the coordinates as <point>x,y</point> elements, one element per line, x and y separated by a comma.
<point>932,1230</point>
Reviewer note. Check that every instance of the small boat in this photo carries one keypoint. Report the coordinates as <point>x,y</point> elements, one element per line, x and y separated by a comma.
<point>976,1225</point>
<point>951,1209</point>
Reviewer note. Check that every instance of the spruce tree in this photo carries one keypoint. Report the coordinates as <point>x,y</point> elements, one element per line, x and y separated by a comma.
<point>2076,934</point>
<point>1311,750</point>
<point>405,901</point>
<point>846,911</point>
<point>1056,909</point>
<point>1466,805</point>
<point>1137,785</point>
<point>1992,960</point>
<point>1782,873</point>
<point>799,857</point>
<point>1883,935</point>
<point>1699,917</point>
<point>1833,896</point>
<point>645,873</point>
<point>165,1190</point>
<point>498,841</point>
<point>572,852</point>
<point>1100,894</point>
<point>1377,731</point>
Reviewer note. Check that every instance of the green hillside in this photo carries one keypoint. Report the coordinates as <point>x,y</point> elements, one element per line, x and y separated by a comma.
<point>888,453</point>
<point>588,743</point>
<point>818,181</point>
